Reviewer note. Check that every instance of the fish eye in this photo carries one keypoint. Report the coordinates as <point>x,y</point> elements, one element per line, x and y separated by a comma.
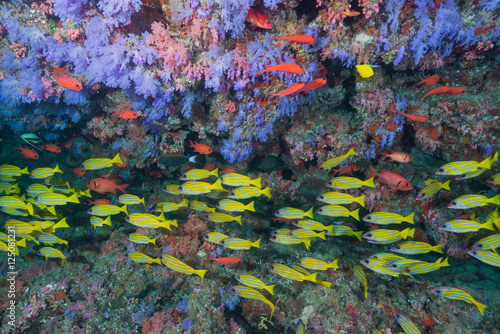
<point>367,261</point>
<point>368,217</point>
<point>369,235</point>
<point>407,184</point>
<point>321,197</point>
<point>437,291</point>
<point>480,245</point>
<point>222,242</point>
<point>271,266</point>
<point>397,247</point>
<point>453,203</point>
<point>441,170</point>
<point>393,265</point>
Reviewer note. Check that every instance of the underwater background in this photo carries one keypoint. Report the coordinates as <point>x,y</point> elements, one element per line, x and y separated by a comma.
<point>249,166</point>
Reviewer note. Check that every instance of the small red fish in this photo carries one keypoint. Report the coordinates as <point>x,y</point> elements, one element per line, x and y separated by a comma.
<point>78,171</point>
<point>209,167</point>
<point>413,117</point>
<point>100,201</point>
<point>438,90</point>
<point>456,90</point>
<point>429,81</point>
<point>51,148</point>
<point>312,85</point>
<point>103,186</point>
<point>69,82</point>
<point>282,220</point>
<point>393,180</point>
<point>284,67</point>
<point>200,148</point>
<point>126,114</point>
<point>351,13</point>
<point>290,90</point>
<point>27,152</point>
<point>349,169</point>
<point>397,156</point>
<point>226,261</point>
<point>69,144</point>
<point>258,19</point>
<point>229,170</point>
<point>304,39</point>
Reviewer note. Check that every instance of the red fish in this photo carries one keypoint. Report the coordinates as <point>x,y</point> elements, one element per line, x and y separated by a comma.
<point>349,169</point>
<point>103,186</point>
<point>226,261</point>
<point>258,19</point>
<point>351,13</point>
<point>229,170</point>
<point>429,81</point>
<point>284,67</point>
<point>28,153</point>
<point>393,180</point>
<point>200,148</point>
<point>69,144</point>
<point>397,156</point>
<point>438,90</point>
<point>78,171</point>
<point>304,39</point>
<point>456,90</point>
<point>100,201</point>
<point>413,117</point>
<point>51,148</point>
<point>126,114</point>
<point>69,82</point>
<point>312,85</point>
<point>290,90</point>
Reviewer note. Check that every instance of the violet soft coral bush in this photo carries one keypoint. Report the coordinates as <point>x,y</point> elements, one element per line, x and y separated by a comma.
<point>69,9</point>
<point>119,11</point>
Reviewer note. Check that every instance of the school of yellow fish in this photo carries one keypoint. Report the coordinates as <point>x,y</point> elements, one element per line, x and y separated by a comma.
<point>40,202</point>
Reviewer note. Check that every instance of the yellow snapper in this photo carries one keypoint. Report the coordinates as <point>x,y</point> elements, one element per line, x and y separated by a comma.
<point>10,170</point>
<point>431,188</point>
<point>386,218</point>
<point>347,182</point>
<point>312,225</point>
<point>303,233</point>
<point>130,199</point>
<point>142,258</point>
<point>170,206</point>
<point>287,272</point>
<point>247,292</point>
<point>215,237</point>
<point>148,221</point>
<point>8,188</point>
<point>408,326</point>
<point>334,162</point>
<point>11,202</point>
<point>400,265</point>
<point>198,174</point>
<point>457,294</point>
<point>486,256</point>
<point>248,192</point>
<point>99,163</point>
<point>177,265</point>
<point>99,222</point>
<point>4,247</point>
<point>293,213</point>
<point>284,239</point>
<point>465,226</point>
<point>50,239</point>
<point>473,201</point>
<point>340,230</point>
<point>138,238</point>
<point>52,253</point>
<point>106,210</point>
<point>172,189</point>
<point>56,181</point>
<point>360,275</point>
<point>426,267</point>
<point>219,217</point>
<point>384,236</point>
<point>490,242</point>
<point>235,206</point>
<point>200,206</point>
<point>239,244</point>
<point>254,282</point>
<point>197,188</point>
<point>462,167</point>
<point>238,180</point>
<point>380,266</point>
<point>472,174</point>
<point>44,172</point>
<point>315,264</point>
<point>333,210</point>
<point>51,199</point>
<point>306,273</point>
<point>340,198</point>
<point>416,247</point>
<point>22,227</point>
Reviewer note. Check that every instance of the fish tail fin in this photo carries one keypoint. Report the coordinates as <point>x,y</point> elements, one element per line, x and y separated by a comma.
<point>321,235</point>
<point>350,153</point>
<point>250,206</point>
<point>355,214</point>
<point>61,223</point>
<point>217,185</point>
<point>333,264</point>
<point>443,263</point>
<point>153,241</point>
<point>495,200</point>
<point>373,172</point>
<point>116,113</point>
<point>360,200</point>
<point>183,204</point>
<point>117,159</point>
<point>52,210</point>
<point>358,234</point>
<point>122,188</point>
<point>124,209</point>
<point>66,243</point>
<point>438,248</point>
<point>410,218</point>
<point>86,193</point>
<point>310,213</point>
<point>446,185</point>
<point>200,273</point>
<point>488,225</point>
<point>256,244</point>
<point>404,233</point>
<point>141,200</point>
<point>325,284</point>
<point>158,261</point>
<point>66,261</point>
<point>174,223</point>
<point>486,163</point>
<point>329,229</point>
<point>369,182</point>
<point>191,144</point>
<point>238,219</point>
<point>270,288</point>
<point>215,172</point>
<point>307,243</point>
<point>267,192</point>
<point>335,171</point>
<point>312,277</point>
<point>57,169</point>
<point>25,171</point>
<point>481,307</point>
<point>271,305</point>
<point>422,81</point>
<point>257,182</point>
<point>107,221</point>
<point>21,243</point>
<point>74,199</point>
<point>495,157</point>
<point>29,207</point>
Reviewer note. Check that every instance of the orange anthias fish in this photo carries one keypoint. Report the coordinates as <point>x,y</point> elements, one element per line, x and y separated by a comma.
<point>258,19</point>
<point>78,171</point>
<point>290,90</point>
<point>438,90</point>
<point>429,81</point>
<point>103,186</point>
<point>64,79</point>
<point>100,201</point>
<point>413,117</point>
<point>397,156</point>
<point>51,148</point>
<point>226,261</point>
<point>351,13</point>
<point>229,170</point>
<point>349,169</point>
<point>126,114</point>
<point>312,85</point>
<point>284,67</point>
<point>304,39</point>
<point>393,180</point>
<point>28,153</point>
<point>200,148</point>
